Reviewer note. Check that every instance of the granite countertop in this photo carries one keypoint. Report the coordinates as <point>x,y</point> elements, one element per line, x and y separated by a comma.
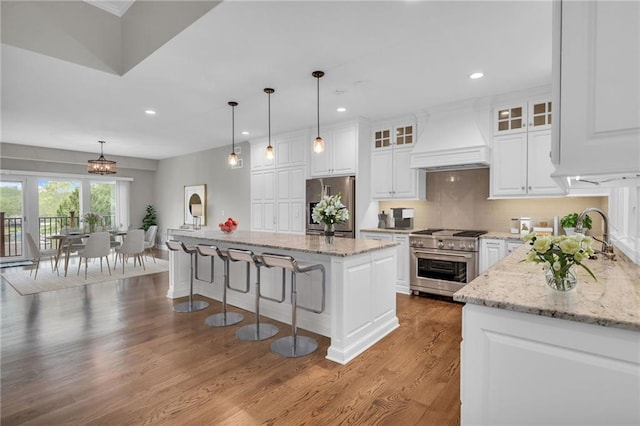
<point>304,243</point>
<point>501,235</point>
<point>612,301</point>
<point>390,230</point>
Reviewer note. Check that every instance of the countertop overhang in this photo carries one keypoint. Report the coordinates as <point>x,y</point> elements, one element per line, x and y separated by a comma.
<point>611,301</point>
<point>342,247</point>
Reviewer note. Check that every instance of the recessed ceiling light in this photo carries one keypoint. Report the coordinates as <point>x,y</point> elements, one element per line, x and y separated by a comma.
<point>341,109</point>
<point>150,112</point>
<point>476,75</point>
<point>245,133</point>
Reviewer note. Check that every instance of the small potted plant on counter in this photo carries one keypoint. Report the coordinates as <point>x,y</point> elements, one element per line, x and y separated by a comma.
<point>570,221</point>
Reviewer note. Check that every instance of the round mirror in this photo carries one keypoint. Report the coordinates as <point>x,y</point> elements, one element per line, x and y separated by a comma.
<point>194,199</point>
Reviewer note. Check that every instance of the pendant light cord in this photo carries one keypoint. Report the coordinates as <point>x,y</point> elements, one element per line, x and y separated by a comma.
<point>269,100</point>
<point>318,105</point>
<point>233,126</point>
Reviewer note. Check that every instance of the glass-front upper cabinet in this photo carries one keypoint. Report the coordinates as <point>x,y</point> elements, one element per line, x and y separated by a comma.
<point>399,135</point>
<point>510,119</point>
<point>529,116</point>
<point>540,114</point>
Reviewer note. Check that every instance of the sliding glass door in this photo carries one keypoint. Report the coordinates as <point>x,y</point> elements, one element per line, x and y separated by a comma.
<point>12,247</point>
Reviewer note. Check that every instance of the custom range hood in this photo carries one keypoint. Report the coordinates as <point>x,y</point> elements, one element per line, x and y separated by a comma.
<point>453,138</point>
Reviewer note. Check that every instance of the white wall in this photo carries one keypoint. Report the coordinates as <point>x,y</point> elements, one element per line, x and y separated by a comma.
<point>228,190</point>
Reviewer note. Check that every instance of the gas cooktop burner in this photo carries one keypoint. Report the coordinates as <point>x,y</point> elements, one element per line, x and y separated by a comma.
<point>450,233</point>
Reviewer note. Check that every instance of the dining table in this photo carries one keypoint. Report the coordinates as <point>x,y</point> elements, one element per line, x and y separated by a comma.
<point>72,241</point>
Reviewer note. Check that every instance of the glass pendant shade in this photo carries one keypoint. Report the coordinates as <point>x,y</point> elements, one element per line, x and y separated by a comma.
<point>102,166</point>
<point>233,159</point>
<point>269,152</point>
<point>318,145</point>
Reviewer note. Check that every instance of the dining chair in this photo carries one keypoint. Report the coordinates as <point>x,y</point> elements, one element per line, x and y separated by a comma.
<point>150,240</point>
<point>97,246</point>
<point>37,254</point>
<point>133,245</point>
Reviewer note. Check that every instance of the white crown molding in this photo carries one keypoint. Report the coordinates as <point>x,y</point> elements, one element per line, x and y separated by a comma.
<point>115,7</point>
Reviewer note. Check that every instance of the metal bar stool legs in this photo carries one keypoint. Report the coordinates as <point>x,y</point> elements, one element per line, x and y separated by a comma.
<point>191,305</point>
<point>295,346</point>
<point>224,318</point>
<point>257,331</point>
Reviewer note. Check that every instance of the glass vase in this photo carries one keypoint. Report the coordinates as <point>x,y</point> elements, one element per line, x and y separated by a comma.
<point>560,282</point>
<point>329,233</point>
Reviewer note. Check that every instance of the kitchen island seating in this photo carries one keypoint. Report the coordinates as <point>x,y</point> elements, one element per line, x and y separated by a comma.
<point>295,346</point>
<point>191,305</point>
<point>224,318</point>
<point>257,331</point>
<point>97,246</point>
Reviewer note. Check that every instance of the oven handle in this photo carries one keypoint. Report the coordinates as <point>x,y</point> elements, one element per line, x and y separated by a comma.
<point>424,254</point>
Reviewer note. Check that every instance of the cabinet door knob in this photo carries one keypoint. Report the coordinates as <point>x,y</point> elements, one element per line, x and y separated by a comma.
<point>522,187</point>
<point>529,187</point>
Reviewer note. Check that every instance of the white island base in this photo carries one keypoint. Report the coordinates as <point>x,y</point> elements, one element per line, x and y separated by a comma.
<point>360,293</point>
<point>519,368</point>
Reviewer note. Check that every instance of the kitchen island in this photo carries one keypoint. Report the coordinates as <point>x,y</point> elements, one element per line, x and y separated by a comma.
<point>360,278</point>
<point>535,355</point>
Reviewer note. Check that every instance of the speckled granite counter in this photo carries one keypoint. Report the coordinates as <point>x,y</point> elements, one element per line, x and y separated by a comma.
<point>303,243</point>
<point>360,303</point>
<point>389,230</point>
<point>501,235</point>
<point>612,301</point>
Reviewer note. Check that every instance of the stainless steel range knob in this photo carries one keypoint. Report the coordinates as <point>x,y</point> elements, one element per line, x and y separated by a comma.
<point>463,246</point>
<point>440,244</point>
<point>452,245</point>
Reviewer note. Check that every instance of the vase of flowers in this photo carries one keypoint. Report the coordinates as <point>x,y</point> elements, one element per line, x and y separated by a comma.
<point>91,219</point>
<point>559,255</point>
<point>329,211</point>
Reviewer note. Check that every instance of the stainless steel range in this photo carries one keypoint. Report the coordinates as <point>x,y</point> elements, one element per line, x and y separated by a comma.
<point>443,260</point>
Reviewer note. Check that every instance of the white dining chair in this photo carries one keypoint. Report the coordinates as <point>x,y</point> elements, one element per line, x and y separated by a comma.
<point>36,254</point>
<point>133,245</point>
<point>97,246</point>
<point>150,240</point>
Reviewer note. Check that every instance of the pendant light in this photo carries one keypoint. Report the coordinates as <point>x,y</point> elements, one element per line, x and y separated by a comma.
<point>233,157</point>
<point>102,166</point>
<point>318,143</point>
<point>269,151</point>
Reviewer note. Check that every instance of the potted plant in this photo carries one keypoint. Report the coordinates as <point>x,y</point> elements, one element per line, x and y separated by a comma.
<point>150,218</point>
<point>570,221</point>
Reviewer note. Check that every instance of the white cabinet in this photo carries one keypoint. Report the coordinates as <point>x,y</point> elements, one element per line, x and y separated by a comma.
<point>513,245</point>
<point>291,200</point>
<point>402,283</point>
<point>521,368</point>
<point>263,200</point>
<point>596,64</point>
<point>278,185</point>
<point>521,165</point>
<point>531,115</point>
<point>492,250</point>
<point>391,174</point>
<point>340,155</point>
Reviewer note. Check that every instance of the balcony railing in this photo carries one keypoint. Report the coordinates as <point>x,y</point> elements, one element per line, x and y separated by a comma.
<point>11,232</point>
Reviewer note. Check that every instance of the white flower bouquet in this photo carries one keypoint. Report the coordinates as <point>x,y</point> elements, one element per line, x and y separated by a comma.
<point>330,210</point>
<point>91,219</point>
<point>559,254</point>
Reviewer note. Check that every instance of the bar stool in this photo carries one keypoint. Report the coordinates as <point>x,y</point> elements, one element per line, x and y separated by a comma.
<point>257,331</point>
<point>294,346</point>
<point>191,305</point>
<point>224,318</point>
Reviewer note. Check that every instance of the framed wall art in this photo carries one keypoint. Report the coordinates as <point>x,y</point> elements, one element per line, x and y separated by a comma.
<point>195,205</point>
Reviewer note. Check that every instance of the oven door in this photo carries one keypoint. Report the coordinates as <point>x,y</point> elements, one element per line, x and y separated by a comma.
<point>441,272</point>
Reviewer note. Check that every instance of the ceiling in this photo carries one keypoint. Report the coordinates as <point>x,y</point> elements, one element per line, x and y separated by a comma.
<point>381,59</point>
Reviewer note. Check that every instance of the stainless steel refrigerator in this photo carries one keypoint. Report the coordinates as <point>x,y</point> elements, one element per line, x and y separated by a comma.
<point>319,187</point>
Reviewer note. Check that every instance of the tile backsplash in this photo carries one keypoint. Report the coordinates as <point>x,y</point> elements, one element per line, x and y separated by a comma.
<point>458,200</point>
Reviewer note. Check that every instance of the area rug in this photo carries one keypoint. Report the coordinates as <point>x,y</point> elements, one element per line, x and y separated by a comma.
<point>51,281</point>
<point>14,264</point>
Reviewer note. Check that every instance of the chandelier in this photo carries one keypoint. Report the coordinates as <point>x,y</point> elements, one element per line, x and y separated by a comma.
<point>102,166</point>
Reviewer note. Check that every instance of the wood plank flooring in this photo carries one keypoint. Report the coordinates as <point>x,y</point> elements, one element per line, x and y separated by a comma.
<point>116,354</point>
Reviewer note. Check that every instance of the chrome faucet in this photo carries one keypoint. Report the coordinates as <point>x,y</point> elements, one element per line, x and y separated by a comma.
<point>607,247</point>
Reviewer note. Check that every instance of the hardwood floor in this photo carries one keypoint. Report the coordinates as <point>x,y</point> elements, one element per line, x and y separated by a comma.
<point>115,354</point>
